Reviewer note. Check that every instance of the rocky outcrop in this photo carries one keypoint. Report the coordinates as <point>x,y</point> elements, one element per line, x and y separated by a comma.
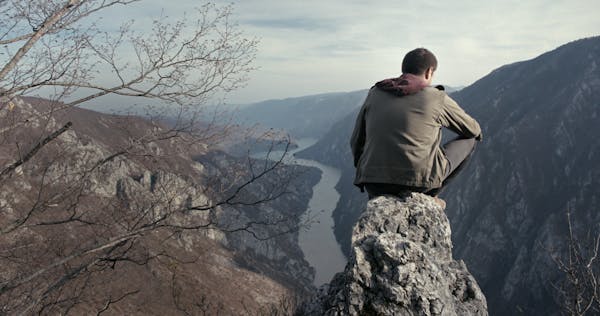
<point>401,264</point>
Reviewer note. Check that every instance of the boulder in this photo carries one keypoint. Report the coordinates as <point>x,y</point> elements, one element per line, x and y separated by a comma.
<point>401,264</point>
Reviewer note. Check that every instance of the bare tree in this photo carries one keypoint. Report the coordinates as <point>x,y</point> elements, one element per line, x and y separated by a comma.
<point>51,44</point>
<point>77,209</point>
<point>579,290</point>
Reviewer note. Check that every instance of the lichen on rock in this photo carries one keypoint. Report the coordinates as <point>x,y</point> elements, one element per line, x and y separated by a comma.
<point>401,264</point>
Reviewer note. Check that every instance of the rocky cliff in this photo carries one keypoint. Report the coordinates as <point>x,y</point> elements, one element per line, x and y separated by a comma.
<point>539,159</point>
<point>401,264</point>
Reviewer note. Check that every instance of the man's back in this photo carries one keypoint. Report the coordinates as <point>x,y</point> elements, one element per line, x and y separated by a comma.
<point>396,138</point>
<point>404,134</point>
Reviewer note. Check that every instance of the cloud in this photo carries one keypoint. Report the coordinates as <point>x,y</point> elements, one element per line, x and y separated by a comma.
<point>307,24</point>
<point>321,46</point>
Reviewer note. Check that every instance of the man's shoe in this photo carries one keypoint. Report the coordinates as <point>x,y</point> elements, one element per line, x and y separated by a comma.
<point>440,202</point>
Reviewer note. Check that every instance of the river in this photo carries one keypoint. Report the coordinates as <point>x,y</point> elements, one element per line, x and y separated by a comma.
<point>318,242</point>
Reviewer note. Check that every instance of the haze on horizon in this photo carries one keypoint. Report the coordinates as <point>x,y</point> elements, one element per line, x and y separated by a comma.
<point>312,47</point>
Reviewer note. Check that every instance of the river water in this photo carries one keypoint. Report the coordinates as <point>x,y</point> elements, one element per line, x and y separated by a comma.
<point>318,242</point>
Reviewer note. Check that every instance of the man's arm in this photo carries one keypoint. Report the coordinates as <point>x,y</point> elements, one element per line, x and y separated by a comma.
<point>357,141</point>
<point>457,120</point>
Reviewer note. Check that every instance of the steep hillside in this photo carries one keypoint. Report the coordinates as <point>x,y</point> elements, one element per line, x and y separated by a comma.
<point>118,214</point>
<point>539,158</point>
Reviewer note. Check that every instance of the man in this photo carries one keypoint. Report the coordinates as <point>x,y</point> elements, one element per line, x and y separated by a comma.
<point>397,135</point>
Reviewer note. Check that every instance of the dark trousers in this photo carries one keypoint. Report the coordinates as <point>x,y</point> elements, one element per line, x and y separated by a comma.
<point>457,151</point>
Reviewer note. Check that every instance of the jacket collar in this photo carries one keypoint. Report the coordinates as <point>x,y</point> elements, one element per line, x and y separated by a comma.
<point>403,85</point>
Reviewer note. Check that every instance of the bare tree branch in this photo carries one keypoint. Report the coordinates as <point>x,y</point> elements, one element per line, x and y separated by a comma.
<point>112,301</point>
<point>580,290</point>
<point>48,23</point>
<point>90,203</point>
<point>34,150</point>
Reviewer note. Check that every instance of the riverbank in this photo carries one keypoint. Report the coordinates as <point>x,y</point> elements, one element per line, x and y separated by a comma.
<point>318,241</point>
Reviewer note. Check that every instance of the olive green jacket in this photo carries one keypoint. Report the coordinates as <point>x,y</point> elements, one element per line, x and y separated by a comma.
<point>396,139</point>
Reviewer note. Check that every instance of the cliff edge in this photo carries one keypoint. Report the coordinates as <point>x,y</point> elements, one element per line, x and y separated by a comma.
<point>401,264</point>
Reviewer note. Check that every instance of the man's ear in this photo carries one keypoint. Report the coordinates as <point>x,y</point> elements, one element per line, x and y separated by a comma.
<point>429,73</point>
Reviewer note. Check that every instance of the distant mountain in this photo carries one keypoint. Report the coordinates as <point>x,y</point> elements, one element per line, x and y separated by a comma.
<point>308,116</point>
<point>539,159</point>
<point>450,89</point>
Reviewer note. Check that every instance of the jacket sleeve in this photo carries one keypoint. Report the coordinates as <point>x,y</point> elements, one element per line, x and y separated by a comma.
<point>357,140</point>
<point>456,119</point>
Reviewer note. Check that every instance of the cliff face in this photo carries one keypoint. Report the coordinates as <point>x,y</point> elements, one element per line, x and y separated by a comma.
<point>539,158</point>
<point>401,264</point>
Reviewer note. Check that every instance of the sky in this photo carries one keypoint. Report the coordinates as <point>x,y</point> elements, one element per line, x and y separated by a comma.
<point>311,47</point>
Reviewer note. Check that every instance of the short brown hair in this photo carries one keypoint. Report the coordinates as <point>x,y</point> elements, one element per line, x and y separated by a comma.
<point>417,61</point>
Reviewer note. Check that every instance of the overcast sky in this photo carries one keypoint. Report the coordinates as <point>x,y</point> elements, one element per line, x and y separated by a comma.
<point>310,47</point>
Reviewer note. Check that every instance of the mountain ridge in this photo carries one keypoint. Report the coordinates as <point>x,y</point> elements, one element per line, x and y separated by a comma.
<point>307,116</point>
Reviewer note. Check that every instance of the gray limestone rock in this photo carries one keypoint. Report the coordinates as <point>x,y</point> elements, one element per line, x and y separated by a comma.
<point>401,264</point>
